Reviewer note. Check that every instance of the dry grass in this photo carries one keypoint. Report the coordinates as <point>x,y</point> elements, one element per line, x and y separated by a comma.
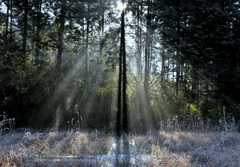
<point>172,149</point>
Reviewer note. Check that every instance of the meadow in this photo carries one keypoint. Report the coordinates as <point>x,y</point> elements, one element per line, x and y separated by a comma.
<point>74,147</point>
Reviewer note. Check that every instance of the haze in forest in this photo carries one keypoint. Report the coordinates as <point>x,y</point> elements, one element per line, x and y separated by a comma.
<point>60,63</point>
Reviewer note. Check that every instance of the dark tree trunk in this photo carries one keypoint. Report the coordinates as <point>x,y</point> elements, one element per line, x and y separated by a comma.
<point>125,99</point>
<point>102,34</point>
<point>24,45</point>
<point>119,100</point>
<point>87,39</point>
<point>163,70</point>
<point>178,58</point>
<point>6,31</point>
<point>10,40</point>
<point>122,107</point>
<point>139,66</point>
<point>58,69</point>
<point>147,68</point>
<point>38,39</point>
<point>147,53</point>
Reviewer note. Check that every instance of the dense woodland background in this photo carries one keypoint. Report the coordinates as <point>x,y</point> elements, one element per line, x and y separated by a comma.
<point>59,62</point>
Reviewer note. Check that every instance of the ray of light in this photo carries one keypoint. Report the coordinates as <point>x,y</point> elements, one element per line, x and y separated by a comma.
<point>121,6</point>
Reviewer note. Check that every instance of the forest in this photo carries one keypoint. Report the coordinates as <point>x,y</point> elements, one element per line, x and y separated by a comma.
<point>165,69</point>
<point>60,61</point>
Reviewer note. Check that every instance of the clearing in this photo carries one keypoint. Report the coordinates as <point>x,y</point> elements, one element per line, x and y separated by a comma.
<point>95,148</point>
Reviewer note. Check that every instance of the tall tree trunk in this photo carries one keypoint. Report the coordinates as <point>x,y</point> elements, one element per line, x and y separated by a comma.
<point>140,92</point>
<point>177,73</point>
<point>10,42</point>
<point>87,45</point>
<point>147,53</point>
<point>87,39</point>
<point>6,30</point>
<point>122,83</point>
<point>102,34</point>
<point>194,83</point>
<point>122,107</point>
<point>178,58</point>
<point>58,69</point>
<point>125,107</point>
<point>24,45</point>
<point>103,19</point>
<point>125,98</point>
<point>119,99</point>
<point>101,31</point>
<point>139,42</point>
<point>38,39</point>
<point>147,66</point>
<point>168,65</point>
<point>163,71</point>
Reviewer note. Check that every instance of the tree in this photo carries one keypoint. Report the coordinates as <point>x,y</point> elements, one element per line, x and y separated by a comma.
<point>122,104</point>
<point>185,52</point>
<point>61,22</point>
<point>199,33</point>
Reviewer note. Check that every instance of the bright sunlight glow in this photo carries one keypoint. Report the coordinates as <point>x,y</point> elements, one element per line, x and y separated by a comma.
<point>121,6</point>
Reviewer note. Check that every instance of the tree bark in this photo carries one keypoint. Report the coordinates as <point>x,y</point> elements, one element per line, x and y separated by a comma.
<point>10,41</point>
<point>6,30</point>
<point>24,45</point>
<point>125,107</point>
<point>140,92</point>
<point>87,39</point>
<point>38,39</point>
<point>122,107</point>
<point>147,68</point>
<point>58,72</point>
<point>163,70</point>
<point>178,56</point>
<point>147,52</point>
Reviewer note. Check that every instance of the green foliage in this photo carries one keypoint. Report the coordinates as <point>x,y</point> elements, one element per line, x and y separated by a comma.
<point>24,91</point>
<point>108,88</point>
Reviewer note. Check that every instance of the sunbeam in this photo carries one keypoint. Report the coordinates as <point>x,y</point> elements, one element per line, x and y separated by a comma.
<point>121,6</point>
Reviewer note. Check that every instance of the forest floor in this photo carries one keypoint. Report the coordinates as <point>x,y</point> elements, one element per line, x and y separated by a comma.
<point>95,148</point>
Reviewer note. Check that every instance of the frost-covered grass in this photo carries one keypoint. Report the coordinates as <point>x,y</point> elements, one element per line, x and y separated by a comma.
<point>76,148</point>
<point>6,124</point>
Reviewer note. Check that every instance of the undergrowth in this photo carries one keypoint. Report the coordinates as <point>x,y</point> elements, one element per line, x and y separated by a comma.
<point>170,146</point>
<point>165,148</point>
